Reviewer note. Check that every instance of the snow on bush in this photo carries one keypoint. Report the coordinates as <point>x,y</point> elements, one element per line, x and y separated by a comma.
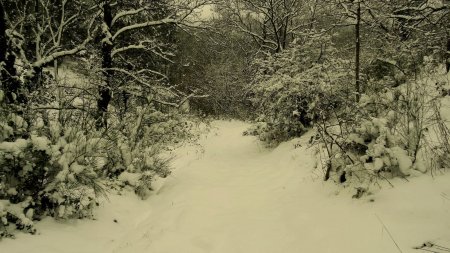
<point>292,87</point>
<point>139,157</point>
<point>55,162</point>
<point>390,132</point>
<point>395,128</point>
<point>49,170</point>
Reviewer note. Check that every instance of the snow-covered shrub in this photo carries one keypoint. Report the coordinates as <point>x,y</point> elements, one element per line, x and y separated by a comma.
<point>388,133</point>
<point>21,214</point>
<point>78,159</point>
<point>55,162</point>
<point>47,168</point>
<point>140,143</point>
<point>54,169</point>
<point>293,87</point>
<point>23,159</point>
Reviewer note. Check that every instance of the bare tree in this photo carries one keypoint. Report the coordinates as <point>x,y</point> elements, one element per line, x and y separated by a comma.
<point>38,34</point>
<point>272,24</point>
<point>412,19</point>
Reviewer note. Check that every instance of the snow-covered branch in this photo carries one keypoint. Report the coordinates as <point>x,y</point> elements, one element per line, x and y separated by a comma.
<point>127,13</point>
<point>139,80</point>
<point>141,45</point>
<point>54,56</point>
<point>50,58</point>
<point>152,72</point>
<point>181,102</point>
<point>164,21</point>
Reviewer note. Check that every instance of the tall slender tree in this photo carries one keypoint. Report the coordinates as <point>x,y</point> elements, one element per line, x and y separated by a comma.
<point>358,51</point>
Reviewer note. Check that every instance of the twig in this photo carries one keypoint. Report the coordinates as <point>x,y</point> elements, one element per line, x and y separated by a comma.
<point>431,247</point>
<point>389,233</point>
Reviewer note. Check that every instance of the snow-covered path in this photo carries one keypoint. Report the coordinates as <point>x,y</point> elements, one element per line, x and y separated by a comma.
<point>239,197</point>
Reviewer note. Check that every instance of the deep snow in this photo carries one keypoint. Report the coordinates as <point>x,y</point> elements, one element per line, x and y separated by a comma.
<point>233,195</point>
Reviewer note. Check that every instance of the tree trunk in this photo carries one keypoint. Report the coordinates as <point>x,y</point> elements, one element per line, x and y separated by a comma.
<point>9,80</point>
<point>358,52</point>
<point>125,98</point>
<point>447,64</point>
<point>285,32</point>
<point>107,63</point>
<point>3,39</point>
<point>35,81</point>
<point>446,27</point>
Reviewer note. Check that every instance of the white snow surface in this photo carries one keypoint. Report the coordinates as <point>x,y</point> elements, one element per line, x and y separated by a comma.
<point>237,196</point>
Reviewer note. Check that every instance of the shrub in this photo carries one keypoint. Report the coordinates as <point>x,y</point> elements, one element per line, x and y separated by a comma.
<point>53,160</point>
<point>139,143</point>
<point>294,87</point>
<point>47,169</point>
<point>388,133</point>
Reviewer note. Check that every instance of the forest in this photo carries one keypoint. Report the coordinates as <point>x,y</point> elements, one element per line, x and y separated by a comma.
<point>98,96</point>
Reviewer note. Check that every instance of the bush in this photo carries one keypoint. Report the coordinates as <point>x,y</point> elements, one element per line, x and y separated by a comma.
<point>293,88</point>
<point>388,133</point>
<point>139,144</point>
<point>53,161</point>
<point>47,169</point>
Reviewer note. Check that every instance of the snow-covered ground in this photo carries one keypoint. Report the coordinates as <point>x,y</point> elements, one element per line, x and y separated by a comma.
<point>237,196</point>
